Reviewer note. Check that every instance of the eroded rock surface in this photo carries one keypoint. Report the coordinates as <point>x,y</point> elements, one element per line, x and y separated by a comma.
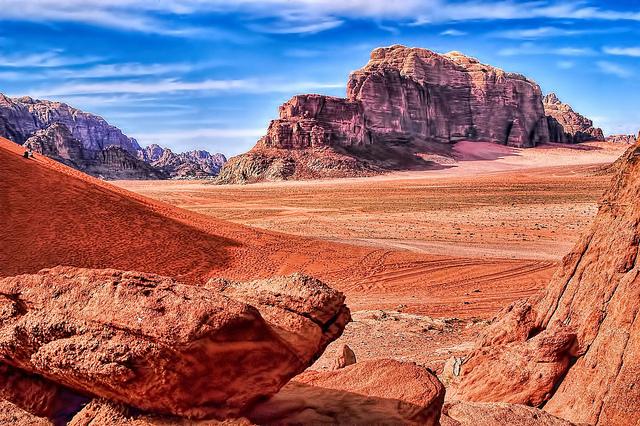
<point>88,143</point>
<point>190,164</point>
<point>459,413</point>
<point>161,346</point>
<point>595,297</point>
<point>112,162</point>
<point>369,392</point>
<point>566,125</point>
<point>626,139</point>
<point>403,103</point>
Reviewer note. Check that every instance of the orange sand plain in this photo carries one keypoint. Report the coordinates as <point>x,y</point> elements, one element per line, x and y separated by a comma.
<point>462,241</point>
<point>459,242</point>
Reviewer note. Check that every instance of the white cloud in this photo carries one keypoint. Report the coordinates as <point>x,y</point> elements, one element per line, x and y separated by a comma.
<point>614,69</point>
<point>124,70</point>
<point>285,27</point>
<point>51,59</point>
<point>548,32</point>
<point>174,85</point>
<point>534,49</point>
<point>154,16</point>
<point>623,51</point>
<point>453,33</point>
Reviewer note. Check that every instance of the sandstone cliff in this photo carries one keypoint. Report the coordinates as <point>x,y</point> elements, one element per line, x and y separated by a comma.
<point>190,164</point>
<point>406,102</point>
<point>628,139</point>
<point>90,144</point>
<point>112,162</point>
<point>575,348</point>
<point>566,125</point>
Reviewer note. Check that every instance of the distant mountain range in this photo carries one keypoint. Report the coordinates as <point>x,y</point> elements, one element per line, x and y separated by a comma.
<point>90,144</point>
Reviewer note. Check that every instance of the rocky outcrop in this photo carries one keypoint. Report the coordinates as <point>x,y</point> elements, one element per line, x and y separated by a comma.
<point>127,337</point>
<point>113,162</point>
<point>566,125</point>
<point>626,139</point>
<point>460,413</point>
<point>190,164</point>
<point>378,391</point>
<point>589,315</point>
<point>28,115</point>
<point>90,144</point>
<point>405,102</point>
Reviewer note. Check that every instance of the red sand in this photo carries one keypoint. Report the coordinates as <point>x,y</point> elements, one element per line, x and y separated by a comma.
<point>53,215</point>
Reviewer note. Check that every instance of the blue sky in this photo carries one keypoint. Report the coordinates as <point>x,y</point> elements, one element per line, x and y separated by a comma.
<point>210,74</point>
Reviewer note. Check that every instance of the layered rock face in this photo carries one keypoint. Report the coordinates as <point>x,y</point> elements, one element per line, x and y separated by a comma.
<point>404,102</point>
<point>587,371</point>
<point>566,125</point>
<point>190,164</point>
<point>27,115</point>
<point>127,337</point>
<point>90,144</point>
<point>627,139</point>
<point>113,162</point>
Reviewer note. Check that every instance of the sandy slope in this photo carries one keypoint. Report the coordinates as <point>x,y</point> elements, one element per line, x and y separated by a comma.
<point>54,215</point>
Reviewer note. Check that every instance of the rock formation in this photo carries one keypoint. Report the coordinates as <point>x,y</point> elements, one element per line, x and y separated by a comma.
<point>459,413</point>
<point>367,392</point>
<point>190,164</point>
<point>112,162</point>
<point>27,115</point>
<point>586,371</point>
<point>90,144</point>
<point>627,139</point>
<point>127,337</point>
<point>403,103</point>
<point>566,125</point>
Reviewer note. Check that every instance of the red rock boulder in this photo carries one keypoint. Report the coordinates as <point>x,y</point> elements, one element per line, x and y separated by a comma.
<point>158,345</point>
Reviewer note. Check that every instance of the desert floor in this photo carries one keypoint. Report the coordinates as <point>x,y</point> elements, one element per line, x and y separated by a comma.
<point>461,242</point>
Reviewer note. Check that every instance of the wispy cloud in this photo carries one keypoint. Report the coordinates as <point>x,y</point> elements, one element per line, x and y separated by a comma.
<point>623,51</point>
<point>612,68</point>
<point>174,85</point>
<point>312,15</point>
<point>453,33</point>
<point>294,27</point>
<point>50,59</point>
<point>525,49</point>
<point>550,32</point>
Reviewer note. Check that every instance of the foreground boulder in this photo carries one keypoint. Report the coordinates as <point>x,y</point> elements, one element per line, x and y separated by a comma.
<point>459,413</point>
<point>566,125</point>
<point>404,103</point>
<point>368,392</point>
<point>594,299</point>
<point>154,344</point>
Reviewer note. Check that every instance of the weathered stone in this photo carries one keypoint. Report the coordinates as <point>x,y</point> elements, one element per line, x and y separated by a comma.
<point>161,346</point>
<point>405,102</point>
<point>627,139</point>
<point>460,413</point>
<point>566,125</point>
<point>190,164</point>
<point>369,392</point>
<point>594,296</point>
<point>113,162</point>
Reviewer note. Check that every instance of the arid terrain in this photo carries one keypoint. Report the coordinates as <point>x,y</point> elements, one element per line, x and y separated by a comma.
<point>460,242</point>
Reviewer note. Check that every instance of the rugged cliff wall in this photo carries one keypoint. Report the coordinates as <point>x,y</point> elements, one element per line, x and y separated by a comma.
<point>404,102</point>
<point>90,144</point>
<point>190,164</point>
<point>566,125</point>
<point>575,348</point>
